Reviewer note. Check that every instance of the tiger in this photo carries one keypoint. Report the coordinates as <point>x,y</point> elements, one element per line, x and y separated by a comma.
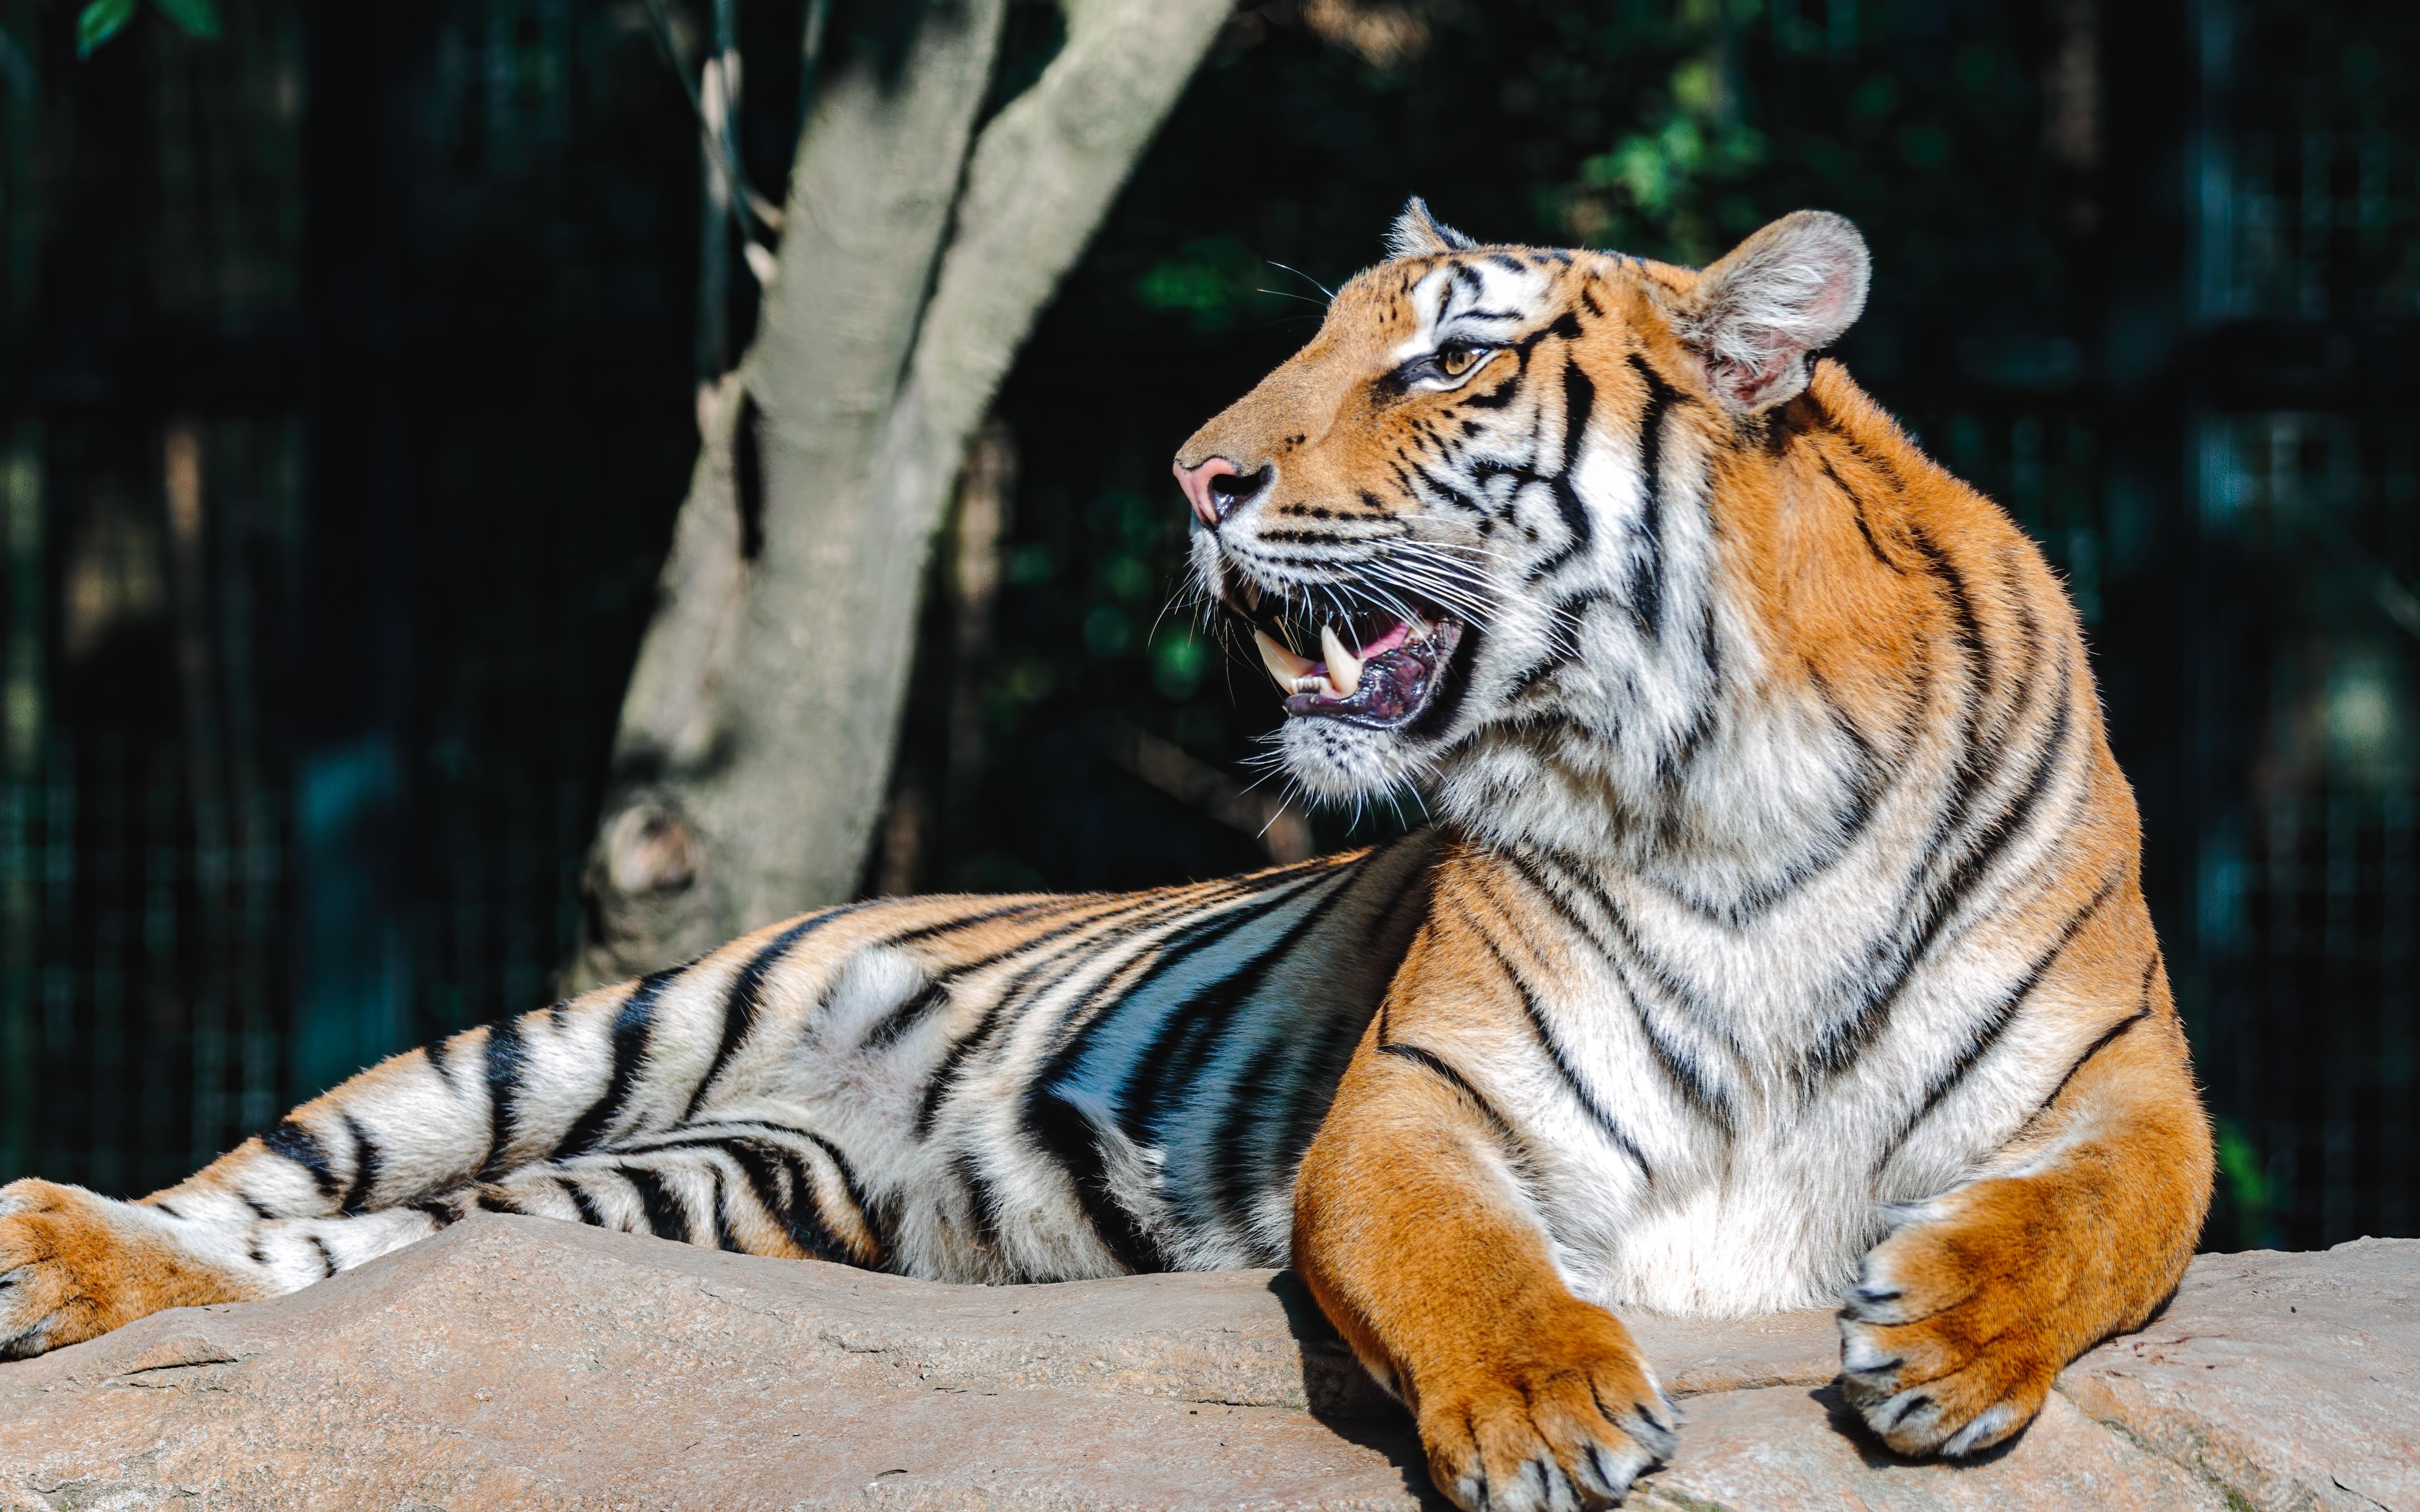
<point>1776,937</point>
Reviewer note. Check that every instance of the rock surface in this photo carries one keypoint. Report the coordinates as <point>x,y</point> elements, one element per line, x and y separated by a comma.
<point>516,1364</point>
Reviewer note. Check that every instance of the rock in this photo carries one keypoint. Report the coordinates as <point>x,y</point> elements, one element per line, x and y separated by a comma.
<point>1786,1448</point>
<point>512,1363</point>
<point>2291,1380</point>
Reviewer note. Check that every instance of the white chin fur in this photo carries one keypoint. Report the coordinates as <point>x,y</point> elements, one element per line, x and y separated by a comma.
<point>1338,762</point>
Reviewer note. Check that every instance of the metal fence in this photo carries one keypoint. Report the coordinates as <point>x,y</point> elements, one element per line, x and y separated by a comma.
<point>265,812</point>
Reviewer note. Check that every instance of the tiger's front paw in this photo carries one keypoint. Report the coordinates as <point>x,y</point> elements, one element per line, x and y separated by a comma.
<point>1565,1419</point>
<point>75,1264</point>
<point>1946,1343</point>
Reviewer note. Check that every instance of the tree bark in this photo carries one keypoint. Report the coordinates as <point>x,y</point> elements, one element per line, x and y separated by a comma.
<point>756,737</point>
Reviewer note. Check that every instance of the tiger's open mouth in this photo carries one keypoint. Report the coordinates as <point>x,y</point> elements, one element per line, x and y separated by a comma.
<point>1374,668</point>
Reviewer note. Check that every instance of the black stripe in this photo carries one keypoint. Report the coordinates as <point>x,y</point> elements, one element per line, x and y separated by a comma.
<point>1553,1047</point>
<point>1579,410</point>
<point>327,1257</point>
<point>1186,942</point>
<point>1940,901</point>
<point>1196,1029</point>
<point>732,1143</point>
<point>632,1020</point>
<point>666,1218</point>
<point>2108,1038</point>
<point>586,1207</point>
<point>1993,1026</point>
<point>1961,606</point>
<point>1871,780</point>
<point>980,916</point>
<point>289,1140</point>
<point>1064,1130</point>
<point>904,1015</point>
<point>788,1197</point>
<point>722,1240</point>
<point>436,1053</point>
<point>1250,1098</point>
<point>1579,407</point>
<point>439,1212</point>
<point>1627,944</point>
<point>1107,926</point>
<point>1181,943</point>
<point>1429,1059</point>
<point>506,1059</point>
<point>1857,509</point>
<point>491,1201</point>
<point>1647,577</point>
<point>869,1211</point>
<point>259,1209</point>
<point>1562,640</point>
<point>983,1202</point>
<point>1500,396</point>
<point>1679,1070</point>
<point>745,999</point>
<point>1673,763</point>
<point>367,1164</point>
<point>1286,1116</point>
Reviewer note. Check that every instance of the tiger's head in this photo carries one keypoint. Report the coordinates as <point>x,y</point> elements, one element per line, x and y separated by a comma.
<point>1474,506</point>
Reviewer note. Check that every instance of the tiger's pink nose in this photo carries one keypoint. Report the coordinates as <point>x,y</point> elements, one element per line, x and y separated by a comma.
<point>1216,487</point>
<point>1196,481</point>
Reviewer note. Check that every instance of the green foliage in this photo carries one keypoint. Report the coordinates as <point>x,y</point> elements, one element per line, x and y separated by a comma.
<point>2244,1180</point>
<point>99,22</point>
<point>1217,284</point>
<point>199,18</point>
<point>105,19</point>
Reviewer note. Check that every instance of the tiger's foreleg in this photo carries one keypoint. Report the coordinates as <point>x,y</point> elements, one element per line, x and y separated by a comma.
<point>1963,1317</point>
<point>1413,1230</point>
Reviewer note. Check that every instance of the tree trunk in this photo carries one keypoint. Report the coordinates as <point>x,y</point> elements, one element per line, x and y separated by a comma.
<point>756,737</point>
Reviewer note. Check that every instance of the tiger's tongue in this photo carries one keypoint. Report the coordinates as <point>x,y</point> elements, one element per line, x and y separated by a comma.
<point>1336,677</point>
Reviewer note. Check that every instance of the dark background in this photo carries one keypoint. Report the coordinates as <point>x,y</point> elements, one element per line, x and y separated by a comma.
<point>346,397</point>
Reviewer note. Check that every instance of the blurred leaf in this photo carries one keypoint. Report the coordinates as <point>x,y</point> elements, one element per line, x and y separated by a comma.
<point>1178,663</point>
<point>198,18</point>
<point>1216,282</point>
<point>2246,1180</point>
<point>98,21</point>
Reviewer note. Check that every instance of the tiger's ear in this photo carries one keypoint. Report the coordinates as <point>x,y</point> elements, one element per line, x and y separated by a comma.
<point>1759,314</point>
<point>1417,234</point>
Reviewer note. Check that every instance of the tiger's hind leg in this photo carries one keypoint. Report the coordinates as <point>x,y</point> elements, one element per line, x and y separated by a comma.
<point>491,1116</point>
<point>84,1264</point>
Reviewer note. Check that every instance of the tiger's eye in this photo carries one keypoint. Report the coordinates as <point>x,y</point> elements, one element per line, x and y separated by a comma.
<point>1457,359</point>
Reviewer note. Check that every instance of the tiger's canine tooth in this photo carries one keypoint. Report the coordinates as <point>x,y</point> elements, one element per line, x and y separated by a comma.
<point>1285,667</point>
<point>1343,667</point>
